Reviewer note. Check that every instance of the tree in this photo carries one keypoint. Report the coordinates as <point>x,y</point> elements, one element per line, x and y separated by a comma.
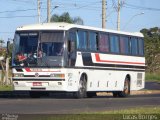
<point>2,50</point>
<point>78,20</point>
<point>1,43</point>
<point>152,48</point>
<point>65,17</point>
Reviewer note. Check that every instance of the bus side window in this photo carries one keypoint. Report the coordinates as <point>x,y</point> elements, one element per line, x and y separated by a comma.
<point>134,46</point>
<point>124,45</point>
<point>72,48</point>
<point>81,40</point>
<point>141,46</point>
<point>103,42</point>
<point>93,41</point>
<point>114,44</point>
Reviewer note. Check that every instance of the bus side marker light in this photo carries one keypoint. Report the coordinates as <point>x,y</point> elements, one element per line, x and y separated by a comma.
<point>59,83</point>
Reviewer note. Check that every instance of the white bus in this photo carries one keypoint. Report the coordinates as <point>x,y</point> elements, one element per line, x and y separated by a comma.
<point>62,57</point>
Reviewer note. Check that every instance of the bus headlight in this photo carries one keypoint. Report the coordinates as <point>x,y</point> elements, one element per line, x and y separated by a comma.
<point>18,75</point>
<point>15,83</point>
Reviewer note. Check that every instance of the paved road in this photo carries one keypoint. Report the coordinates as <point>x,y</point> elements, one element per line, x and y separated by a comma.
<point>11,102</point>
<point>62,105</point>
<point>152,85</point>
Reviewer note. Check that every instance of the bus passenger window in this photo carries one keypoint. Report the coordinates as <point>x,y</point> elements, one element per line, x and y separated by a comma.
<point>134,46</point>
<point>103,43</point>
<point>93,41</point>
<point>124,45</point>
<point>114,44</point>
<point>141,47</point>
<point>82,40</point>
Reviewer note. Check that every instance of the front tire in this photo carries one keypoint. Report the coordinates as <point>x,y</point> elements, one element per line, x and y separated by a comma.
<point>81,93</point>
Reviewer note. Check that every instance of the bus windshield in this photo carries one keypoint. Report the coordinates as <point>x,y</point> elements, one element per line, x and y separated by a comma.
<point>38,49</point>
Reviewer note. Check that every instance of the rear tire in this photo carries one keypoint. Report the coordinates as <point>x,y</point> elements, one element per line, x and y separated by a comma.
<point>81,93</point>
<point>126,89</point>
<point>115,94</point>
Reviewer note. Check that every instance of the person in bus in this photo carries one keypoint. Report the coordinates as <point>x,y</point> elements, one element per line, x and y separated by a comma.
<point>31,58</point>
<point>40,53</point>
<point>20,58</point>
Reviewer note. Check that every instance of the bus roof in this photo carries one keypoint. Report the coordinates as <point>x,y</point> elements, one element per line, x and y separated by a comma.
<point>67,26</point>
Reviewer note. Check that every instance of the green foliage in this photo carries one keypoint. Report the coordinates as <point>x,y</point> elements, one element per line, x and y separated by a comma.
<point>2,50</point>
<point>152,48</point>
<point>152,77</point>
<point>1,41</point>
<point>6,88</point>
<point>65,17</point>
<point>10,50</point>
<point>140,110</point>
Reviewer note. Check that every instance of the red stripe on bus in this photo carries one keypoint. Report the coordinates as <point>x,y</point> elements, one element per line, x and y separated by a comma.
<point>29,70</point>
<point>99,60</point>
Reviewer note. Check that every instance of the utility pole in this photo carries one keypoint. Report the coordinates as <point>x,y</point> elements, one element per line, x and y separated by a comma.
<point>38,8</point>
<point>103,13</point>
<point>7,72</point>
<point>48,11</point>
<point>118,15</point>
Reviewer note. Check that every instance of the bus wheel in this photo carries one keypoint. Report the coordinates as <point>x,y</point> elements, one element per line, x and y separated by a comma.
<point>115,94</point>
<point>34,94</point>
<point>126,89</point>
<point>91,94</point>
<point>81,93</point>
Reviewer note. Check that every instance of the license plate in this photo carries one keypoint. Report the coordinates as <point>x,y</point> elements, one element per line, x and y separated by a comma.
<point>37,83</point>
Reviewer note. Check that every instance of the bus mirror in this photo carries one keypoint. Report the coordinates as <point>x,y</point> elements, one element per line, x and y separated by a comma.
<point>8,45</point>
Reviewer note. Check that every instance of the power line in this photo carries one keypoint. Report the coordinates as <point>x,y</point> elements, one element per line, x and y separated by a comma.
<point>19,16</point>
<point>6,32</point>
<point>22,1</point>
<point>33,9</point>
<point>77,5</point>
<point>18,10</point>
<point>140,7</point>
<point>88,4</point>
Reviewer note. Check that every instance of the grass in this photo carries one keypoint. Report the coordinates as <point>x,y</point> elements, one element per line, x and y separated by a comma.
<point>6,87</point>
<point>141,110</point>
<point>152,77</point>
<point>150,113</point>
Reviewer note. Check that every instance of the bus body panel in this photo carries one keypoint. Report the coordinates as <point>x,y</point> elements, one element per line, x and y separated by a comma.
<point>98,78</point>
<point>104,71</point>
<point>105,81</point>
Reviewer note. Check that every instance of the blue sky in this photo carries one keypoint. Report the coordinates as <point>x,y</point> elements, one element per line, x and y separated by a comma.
<point>88,10</point>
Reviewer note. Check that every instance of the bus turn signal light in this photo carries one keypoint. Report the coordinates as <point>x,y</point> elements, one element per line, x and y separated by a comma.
<point>58,75</point>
